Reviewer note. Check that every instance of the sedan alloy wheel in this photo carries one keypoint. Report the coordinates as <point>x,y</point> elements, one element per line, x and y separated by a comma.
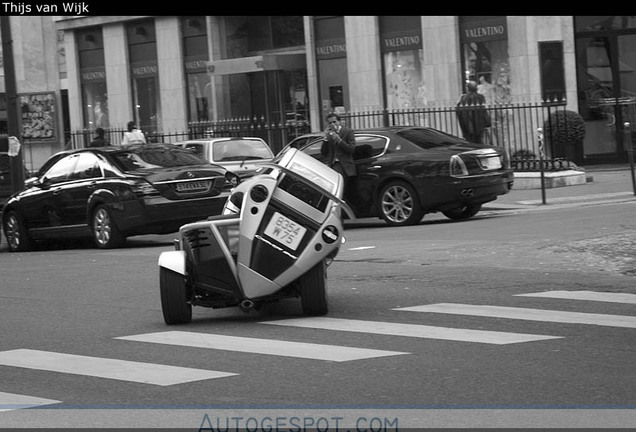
<point>399,204</point>
<point>105,232</point>
<point>14,230</point>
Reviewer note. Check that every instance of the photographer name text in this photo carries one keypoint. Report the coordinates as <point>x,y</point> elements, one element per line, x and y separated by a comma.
<point>19,8</point>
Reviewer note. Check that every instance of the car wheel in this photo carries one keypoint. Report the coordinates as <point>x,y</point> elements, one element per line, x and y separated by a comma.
<point>313,290</point>
<point>105,233</point>
<point>464,212</point>
<point>399,204</point>
<point>16,233</point>
<point>174,302</point>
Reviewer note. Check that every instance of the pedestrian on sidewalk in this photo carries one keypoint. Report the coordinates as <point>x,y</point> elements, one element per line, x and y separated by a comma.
<point>133,135</point>
<point>472,114</point>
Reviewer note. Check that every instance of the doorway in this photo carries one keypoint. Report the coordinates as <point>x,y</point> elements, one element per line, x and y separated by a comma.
<point>606,68</point>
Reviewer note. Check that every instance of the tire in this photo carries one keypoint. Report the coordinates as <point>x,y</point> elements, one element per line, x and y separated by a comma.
<point>106,235</point>
<point>399,204</point>
<point>174,301</point>
<point>16,233</point>
<point>313,290</point>
<point>464,212</point>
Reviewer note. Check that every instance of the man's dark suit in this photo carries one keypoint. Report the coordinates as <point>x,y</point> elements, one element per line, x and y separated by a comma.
<point>340,149</point>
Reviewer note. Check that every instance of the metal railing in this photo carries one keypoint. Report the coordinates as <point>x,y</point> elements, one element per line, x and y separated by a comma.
<point>513,126</point>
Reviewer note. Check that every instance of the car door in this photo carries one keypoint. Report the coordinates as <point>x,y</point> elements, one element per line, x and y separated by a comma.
<point>43,205</point>
<point>82,183</point>
<point>368,158</point>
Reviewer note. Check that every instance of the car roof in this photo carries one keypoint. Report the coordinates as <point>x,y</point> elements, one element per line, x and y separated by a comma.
<point>217,139</point>
<point>379,129</point>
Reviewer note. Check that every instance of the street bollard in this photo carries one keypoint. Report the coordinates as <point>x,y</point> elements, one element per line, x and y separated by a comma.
<point>630,153</point>
<point>541,159</point>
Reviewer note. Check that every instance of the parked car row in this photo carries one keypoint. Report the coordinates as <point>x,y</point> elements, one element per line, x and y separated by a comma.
<point>111,193</point>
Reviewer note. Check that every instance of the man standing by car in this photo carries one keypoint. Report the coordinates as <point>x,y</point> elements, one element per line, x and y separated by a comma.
<point>338,145</point>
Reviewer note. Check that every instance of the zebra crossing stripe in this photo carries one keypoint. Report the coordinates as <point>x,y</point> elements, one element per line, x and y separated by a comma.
<point>410,330</point>
<point>123,370</point>
<point>611,297</point>
<point>261,346</point>
<point>526,314</point>
<point>10,401</point>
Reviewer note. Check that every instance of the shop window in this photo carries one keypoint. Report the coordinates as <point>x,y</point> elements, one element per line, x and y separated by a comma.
<point>273,32</point>
<point>401,46</point>
<point>485,56</point>
<point>195,53</point>
<point>142,49</point>
<point>93,78</point>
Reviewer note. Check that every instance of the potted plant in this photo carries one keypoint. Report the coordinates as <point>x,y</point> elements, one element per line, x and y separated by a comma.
<point>563,132</point>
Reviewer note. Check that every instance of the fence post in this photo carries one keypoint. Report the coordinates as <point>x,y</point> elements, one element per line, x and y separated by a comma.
<point>541,159</point>
<point>630,154</point>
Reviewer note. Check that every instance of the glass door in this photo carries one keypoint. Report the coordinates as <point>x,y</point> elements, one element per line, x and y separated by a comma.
<point>596,82</point>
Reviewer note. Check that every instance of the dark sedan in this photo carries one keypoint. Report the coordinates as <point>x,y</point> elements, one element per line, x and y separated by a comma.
<point>110,193</point>
<point>405,172</point>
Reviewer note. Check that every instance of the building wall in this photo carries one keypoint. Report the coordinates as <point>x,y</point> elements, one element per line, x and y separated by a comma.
<point>36,70</point>
<point>364,62</point>
<point>171,74</point>
<point>37,67</point>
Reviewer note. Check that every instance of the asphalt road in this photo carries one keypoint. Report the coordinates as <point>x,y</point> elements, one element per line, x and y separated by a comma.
<point>465,358</point>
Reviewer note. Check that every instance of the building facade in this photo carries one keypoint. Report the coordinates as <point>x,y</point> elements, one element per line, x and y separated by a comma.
<point>167,73</point>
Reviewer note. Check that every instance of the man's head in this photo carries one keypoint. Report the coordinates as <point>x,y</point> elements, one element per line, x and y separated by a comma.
<point>333,120</point>
<point>471,86</point>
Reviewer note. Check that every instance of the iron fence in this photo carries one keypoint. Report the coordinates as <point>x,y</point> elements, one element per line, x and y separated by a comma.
<point>513,126</point>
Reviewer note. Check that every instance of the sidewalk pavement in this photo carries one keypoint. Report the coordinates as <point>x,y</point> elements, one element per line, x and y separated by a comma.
<point>605,184</point>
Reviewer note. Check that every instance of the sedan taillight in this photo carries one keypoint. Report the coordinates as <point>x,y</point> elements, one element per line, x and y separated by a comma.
<point>144,188</point>
<point>457,167</point>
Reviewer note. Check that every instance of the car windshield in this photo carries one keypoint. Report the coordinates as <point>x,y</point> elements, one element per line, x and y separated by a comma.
<point>156,157</point>
<point>238,150</point>
<point>428,138</point>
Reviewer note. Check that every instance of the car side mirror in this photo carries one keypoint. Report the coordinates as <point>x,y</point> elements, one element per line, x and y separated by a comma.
<point>32,182</point>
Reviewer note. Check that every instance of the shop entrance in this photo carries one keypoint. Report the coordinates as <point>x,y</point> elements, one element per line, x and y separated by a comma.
<point>269,90</point>
<point>606,68</point>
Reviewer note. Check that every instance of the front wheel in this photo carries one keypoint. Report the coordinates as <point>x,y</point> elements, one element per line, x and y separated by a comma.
<point>313,290</point>
<point>464,212</point>
<point>399,204</point>
<point>16,233</point>
<point>105,232</point>
<point>174,297</point>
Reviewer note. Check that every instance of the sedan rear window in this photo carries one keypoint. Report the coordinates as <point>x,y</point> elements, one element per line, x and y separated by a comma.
<point>428,138</point>
<point>154,157</point>
<point>238,150</point>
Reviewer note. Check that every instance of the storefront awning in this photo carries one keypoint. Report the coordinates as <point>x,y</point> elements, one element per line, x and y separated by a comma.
<point>266,62</point>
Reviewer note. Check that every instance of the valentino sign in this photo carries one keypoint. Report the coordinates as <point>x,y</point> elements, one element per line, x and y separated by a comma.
<point>484,30</point>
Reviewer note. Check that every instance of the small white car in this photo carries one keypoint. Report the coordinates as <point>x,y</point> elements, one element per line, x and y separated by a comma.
<point>240,155</point>
<point>279,230</point>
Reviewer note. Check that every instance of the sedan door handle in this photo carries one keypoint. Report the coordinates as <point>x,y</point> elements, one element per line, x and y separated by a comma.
<point>374,167</point>
<point>57,191</point>
<point>92,185</point>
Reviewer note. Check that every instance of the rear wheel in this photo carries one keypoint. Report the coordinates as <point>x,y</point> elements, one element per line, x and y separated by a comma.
<point>464,212</point>
<point>174,301</point>
<point>16,233</point>
<point>105,233</point>
<point>399,204</point>
<point>313,290</point>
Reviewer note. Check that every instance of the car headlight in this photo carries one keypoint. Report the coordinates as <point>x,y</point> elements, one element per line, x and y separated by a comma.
<point>259,193</point>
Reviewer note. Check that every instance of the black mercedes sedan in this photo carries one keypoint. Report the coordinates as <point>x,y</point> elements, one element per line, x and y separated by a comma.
<point>111,193</point>
<point>405,172</point>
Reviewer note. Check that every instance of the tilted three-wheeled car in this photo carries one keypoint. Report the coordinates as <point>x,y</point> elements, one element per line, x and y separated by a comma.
<point>279,231</point>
